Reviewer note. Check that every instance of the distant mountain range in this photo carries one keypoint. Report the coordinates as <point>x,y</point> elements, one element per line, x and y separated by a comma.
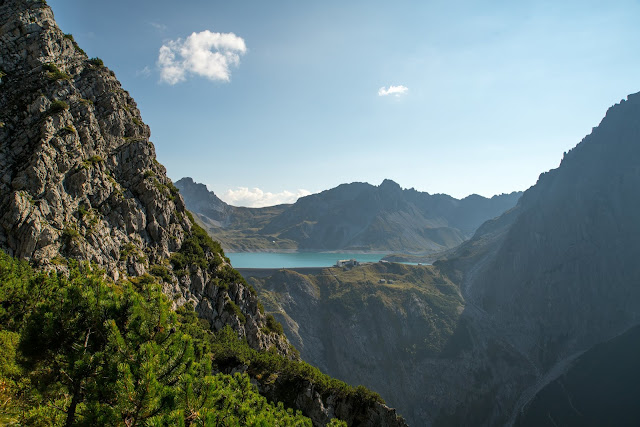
<point>356,216</point>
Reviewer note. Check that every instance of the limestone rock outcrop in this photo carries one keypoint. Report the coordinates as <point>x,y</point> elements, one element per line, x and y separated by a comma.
<point>79,177</point>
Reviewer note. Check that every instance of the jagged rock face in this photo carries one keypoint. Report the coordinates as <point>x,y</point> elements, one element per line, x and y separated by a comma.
<point>558,273</point>
<point>79,177</point>
<point>600,388</point>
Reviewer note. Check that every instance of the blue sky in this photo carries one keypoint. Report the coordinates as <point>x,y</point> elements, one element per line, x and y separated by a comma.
<point>484,95</point>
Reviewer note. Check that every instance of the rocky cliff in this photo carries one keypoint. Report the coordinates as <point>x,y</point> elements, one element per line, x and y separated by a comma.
<point>600,388</point>
<point>79,180</point>
<point>356,216</point>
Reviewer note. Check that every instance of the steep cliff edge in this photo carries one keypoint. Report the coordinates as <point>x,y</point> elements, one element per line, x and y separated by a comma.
<point>79,180</point>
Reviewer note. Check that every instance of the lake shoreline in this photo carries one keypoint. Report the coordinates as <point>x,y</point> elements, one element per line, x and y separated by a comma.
<point>290,260</point>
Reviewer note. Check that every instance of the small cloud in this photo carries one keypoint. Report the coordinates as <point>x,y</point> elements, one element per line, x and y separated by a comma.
<point>204,54</point>
<point>145,72</point>
<point>158,26</point>
<point>393,90</point>
<point>256,198</point>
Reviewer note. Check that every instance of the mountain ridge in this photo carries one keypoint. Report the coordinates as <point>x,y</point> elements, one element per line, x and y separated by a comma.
<point>356,216</point>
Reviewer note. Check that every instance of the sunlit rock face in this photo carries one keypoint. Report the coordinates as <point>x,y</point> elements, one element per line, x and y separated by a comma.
<point>79,177</point>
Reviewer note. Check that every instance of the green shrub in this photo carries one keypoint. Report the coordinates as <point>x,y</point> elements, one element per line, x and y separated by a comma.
<point>83,211</point>
<point>199,249</point>
<point>232,308</point>
<point>92,161</point>
<point>67,130</point>
<point>77,350</point>
<point>120,353</point>
<point>58,260</point>
<point>168,187</point>
<point>161,272</point>
<point>70,235</point>
<point>58,106</point>
<point>96,62</point>
<point>53,73</point>
<point>132,139</point>
<point>127,250</point>
<point>230,275</point>
<point>229,351</point>
<point>75,45</point>
<point>273,325</point>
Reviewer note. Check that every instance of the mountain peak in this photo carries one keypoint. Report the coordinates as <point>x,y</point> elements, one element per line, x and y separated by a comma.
<point>388,183</point>
<point>205,202</point>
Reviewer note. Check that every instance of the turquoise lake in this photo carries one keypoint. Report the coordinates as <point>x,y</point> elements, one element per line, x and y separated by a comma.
<point>294,260</point>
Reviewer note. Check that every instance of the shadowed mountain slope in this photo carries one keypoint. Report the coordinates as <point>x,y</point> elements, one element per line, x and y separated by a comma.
<point>562,272</point>
<point>558,273</point>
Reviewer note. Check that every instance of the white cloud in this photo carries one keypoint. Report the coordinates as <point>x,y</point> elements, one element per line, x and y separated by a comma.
<point>256,198</point>
<point>205,54</point>
<point>144,72</point>
<point>393,90</point>
<point>158,26</point>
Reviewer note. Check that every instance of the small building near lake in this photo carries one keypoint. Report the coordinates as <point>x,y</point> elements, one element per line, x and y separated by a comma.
<point>347,262</point>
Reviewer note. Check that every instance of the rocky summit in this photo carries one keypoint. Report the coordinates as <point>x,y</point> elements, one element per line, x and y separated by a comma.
<point>79,180</point>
